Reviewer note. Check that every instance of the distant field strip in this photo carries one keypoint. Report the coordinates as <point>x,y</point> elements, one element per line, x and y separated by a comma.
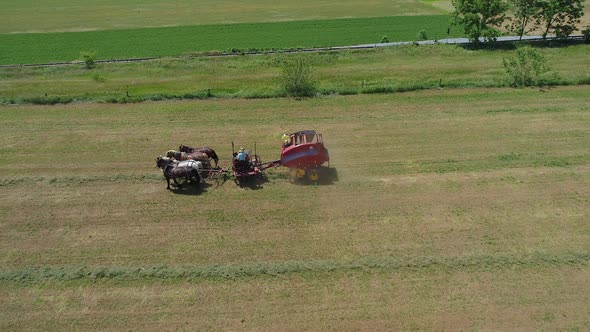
<point>76,15</point>
<point>169,41</point>
<point>474,262</point>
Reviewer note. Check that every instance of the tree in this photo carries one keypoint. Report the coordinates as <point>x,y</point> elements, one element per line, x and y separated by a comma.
<point>559,16</point>
<point>478,17</point>
<point>526,68</point>
<point>523,13</point>
<point>297,78</point>
<point>88,58</point>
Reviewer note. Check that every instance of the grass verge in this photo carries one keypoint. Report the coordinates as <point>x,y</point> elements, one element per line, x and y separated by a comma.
<point>408,68</point>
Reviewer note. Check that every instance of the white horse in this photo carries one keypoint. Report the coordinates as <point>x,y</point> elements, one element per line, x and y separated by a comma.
<point>194,164</point>
<point>180,172</point>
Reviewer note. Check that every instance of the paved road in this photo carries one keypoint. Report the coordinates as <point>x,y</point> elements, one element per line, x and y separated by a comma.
<point>461,41</point>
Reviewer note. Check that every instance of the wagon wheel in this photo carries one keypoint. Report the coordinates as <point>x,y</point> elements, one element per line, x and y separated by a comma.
<point>314,175</point>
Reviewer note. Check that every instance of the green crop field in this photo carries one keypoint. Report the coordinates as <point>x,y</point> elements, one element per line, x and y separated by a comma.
<point>169,41</point>
<point>457,209</point>
<point>76,15</point>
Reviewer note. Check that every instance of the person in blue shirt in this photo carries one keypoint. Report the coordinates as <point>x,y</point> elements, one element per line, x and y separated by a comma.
<point>243,155</point>
<point>242,160</point>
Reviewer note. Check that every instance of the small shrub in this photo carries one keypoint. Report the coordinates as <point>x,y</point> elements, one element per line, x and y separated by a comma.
<point>379,89</point>
<point>526,68</point>
<point>48,100</point>
<point>98,78</point>
<point>412,49</point>
<point>89,59</point>
<point>236,51</point>
<point>422,35</point>
<point>384,39</point>
<point>297,78</point>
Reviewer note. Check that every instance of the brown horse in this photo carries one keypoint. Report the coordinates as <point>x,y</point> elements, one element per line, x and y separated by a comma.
<point>207,150</point>
<point>181,156</point>
<point>180,173</point>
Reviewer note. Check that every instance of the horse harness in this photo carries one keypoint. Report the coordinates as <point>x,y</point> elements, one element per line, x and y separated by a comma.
<point>169,168</point>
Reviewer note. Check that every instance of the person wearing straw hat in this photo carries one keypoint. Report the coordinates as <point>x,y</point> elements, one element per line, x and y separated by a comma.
<point>243,155</point>
<point>286,140</point>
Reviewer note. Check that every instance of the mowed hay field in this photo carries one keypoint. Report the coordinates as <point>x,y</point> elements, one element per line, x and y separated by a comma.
<point>453,209</point>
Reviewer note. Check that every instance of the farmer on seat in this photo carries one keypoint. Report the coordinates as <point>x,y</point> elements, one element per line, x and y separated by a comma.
<point>243,159</point>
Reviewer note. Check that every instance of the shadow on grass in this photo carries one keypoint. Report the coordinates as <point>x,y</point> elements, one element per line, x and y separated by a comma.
<point>191,189</point>
<point>551,43</point>
<point>326,176</point>
<point>252,182</point>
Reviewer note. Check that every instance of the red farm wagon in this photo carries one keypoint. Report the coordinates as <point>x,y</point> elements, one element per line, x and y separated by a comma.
<point>303,152</point>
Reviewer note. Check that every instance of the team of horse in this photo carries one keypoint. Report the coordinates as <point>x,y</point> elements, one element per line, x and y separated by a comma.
<point>186,164</point>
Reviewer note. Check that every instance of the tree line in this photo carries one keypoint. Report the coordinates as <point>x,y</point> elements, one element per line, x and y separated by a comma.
<point>483,18</point>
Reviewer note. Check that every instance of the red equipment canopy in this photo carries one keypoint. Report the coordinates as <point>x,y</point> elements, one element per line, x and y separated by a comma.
<point>304,149</point>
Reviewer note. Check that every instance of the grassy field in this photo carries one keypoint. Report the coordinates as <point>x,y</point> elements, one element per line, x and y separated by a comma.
<point>347,72</point>
<point>75,15</point>
<point>169,41</point>
<point>453,209</point>
<point>459,205</point>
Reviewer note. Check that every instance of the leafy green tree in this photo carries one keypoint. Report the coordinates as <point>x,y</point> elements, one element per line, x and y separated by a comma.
<point>297,78</point>
<point>89,59</point>
<point>559,16</point>
<point>526,67</point>
<point>479,17</point>
<point>522,14</point>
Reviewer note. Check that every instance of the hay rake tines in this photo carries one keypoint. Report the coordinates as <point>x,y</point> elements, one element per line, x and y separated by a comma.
<point>213,173</point>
